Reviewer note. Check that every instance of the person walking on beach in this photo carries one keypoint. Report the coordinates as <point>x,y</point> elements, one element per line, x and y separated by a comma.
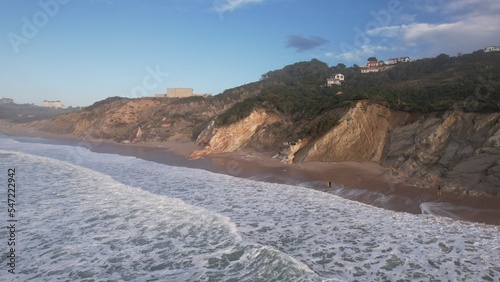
<point>439,190</point>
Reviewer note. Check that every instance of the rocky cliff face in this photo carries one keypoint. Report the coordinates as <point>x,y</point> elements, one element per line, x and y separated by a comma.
<point>460,150</point>
<point>361,135</point>
<point>135,120</point>
<point>147,119</point>
<point>251,132</point>
<point>457,149</point>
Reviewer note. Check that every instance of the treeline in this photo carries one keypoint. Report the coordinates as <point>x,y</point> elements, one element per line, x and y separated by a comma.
<point>28,113</point>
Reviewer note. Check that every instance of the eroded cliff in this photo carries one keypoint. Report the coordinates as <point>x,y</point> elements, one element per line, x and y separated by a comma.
<point>457,149</point>
<point>146,119</point>
<point>251,132</point>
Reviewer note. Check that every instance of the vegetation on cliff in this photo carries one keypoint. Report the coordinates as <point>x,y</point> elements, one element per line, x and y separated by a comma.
<point>435,84</point>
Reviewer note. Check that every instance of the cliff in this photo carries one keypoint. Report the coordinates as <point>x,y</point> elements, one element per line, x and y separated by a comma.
<point>431,120</point>
<point>457,149</point>
<point>251,132</point>
<point>461,150</point>
<point>146,119</point>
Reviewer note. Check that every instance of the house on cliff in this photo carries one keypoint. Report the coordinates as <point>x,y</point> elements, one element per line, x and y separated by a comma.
<point>53,104</point>
<point>371,66</point>
<point>374,66</point>
<point>492,49</point>
<point>6,101</point>
<point>335,80</point>
<point>393,61</point>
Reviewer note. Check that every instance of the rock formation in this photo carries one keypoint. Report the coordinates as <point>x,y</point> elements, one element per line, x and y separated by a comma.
<point>458,149</point>
<point>235,136</point>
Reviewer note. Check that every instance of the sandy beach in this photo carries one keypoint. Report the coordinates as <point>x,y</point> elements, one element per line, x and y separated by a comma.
<point>368,183</point>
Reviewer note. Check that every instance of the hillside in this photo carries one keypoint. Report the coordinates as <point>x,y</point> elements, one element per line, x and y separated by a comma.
<point>430,120</point>
<point>146,119</point>
<point>29,113</point>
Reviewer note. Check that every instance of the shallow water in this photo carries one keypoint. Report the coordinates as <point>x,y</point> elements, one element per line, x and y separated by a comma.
<point>90,216</point>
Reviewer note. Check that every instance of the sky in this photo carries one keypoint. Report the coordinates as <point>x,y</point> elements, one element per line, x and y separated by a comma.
<point>83,51</point>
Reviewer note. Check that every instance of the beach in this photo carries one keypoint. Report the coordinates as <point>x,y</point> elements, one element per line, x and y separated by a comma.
<point>365,182</point>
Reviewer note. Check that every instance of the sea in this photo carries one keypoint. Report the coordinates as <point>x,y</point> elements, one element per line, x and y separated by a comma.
<point>87,216</point>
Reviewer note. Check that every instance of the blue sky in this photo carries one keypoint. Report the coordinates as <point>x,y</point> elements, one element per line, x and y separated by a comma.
<point>82,51</point>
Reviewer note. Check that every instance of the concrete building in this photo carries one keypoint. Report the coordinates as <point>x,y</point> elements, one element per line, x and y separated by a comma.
<point>369,69</point>
<point>53,104</point>
<point>176,93</point>
<point>393,61</point>
<point>180,93</point>
<point>6,101</point>
<point>374,66</point>
<point>492,49</point>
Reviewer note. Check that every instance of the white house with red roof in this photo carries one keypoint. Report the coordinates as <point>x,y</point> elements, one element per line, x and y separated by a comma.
<point>336,79</point>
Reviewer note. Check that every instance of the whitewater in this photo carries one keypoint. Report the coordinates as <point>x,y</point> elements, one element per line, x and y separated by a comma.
<point>86,216</point>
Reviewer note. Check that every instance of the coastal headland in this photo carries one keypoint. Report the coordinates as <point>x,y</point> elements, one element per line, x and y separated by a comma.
<point>388,139</point>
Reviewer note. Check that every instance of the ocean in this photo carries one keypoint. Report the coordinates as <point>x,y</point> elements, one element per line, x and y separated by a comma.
<point>86,216</point>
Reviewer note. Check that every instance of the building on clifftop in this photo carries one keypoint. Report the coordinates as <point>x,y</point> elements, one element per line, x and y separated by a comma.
<point>53,104</point>
<point>335,79</point>
<point>180,93</point>
<point>492,49</point>
<point>393,61</point>
<point>6,101</point>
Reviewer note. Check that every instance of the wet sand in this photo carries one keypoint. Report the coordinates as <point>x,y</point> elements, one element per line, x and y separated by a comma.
<point>368,183</point>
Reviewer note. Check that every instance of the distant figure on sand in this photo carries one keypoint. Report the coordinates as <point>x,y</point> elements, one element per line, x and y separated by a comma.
<point>439,190</point>
<point>329,183</point>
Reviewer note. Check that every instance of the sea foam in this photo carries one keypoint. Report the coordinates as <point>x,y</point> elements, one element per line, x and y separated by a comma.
<point>112,217</point>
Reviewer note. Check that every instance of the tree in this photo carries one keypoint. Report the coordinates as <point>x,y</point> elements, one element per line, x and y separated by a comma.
<point>372,59</point>
<point>441,59</point>
<point>340,66</point>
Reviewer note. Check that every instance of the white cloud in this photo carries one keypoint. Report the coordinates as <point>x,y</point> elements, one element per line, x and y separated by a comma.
<point>461,26</point>
<point>222,6</point>
<point>461,36</point>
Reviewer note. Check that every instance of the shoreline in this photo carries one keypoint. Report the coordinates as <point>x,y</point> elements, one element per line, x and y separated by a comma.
<point>365,182</point>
